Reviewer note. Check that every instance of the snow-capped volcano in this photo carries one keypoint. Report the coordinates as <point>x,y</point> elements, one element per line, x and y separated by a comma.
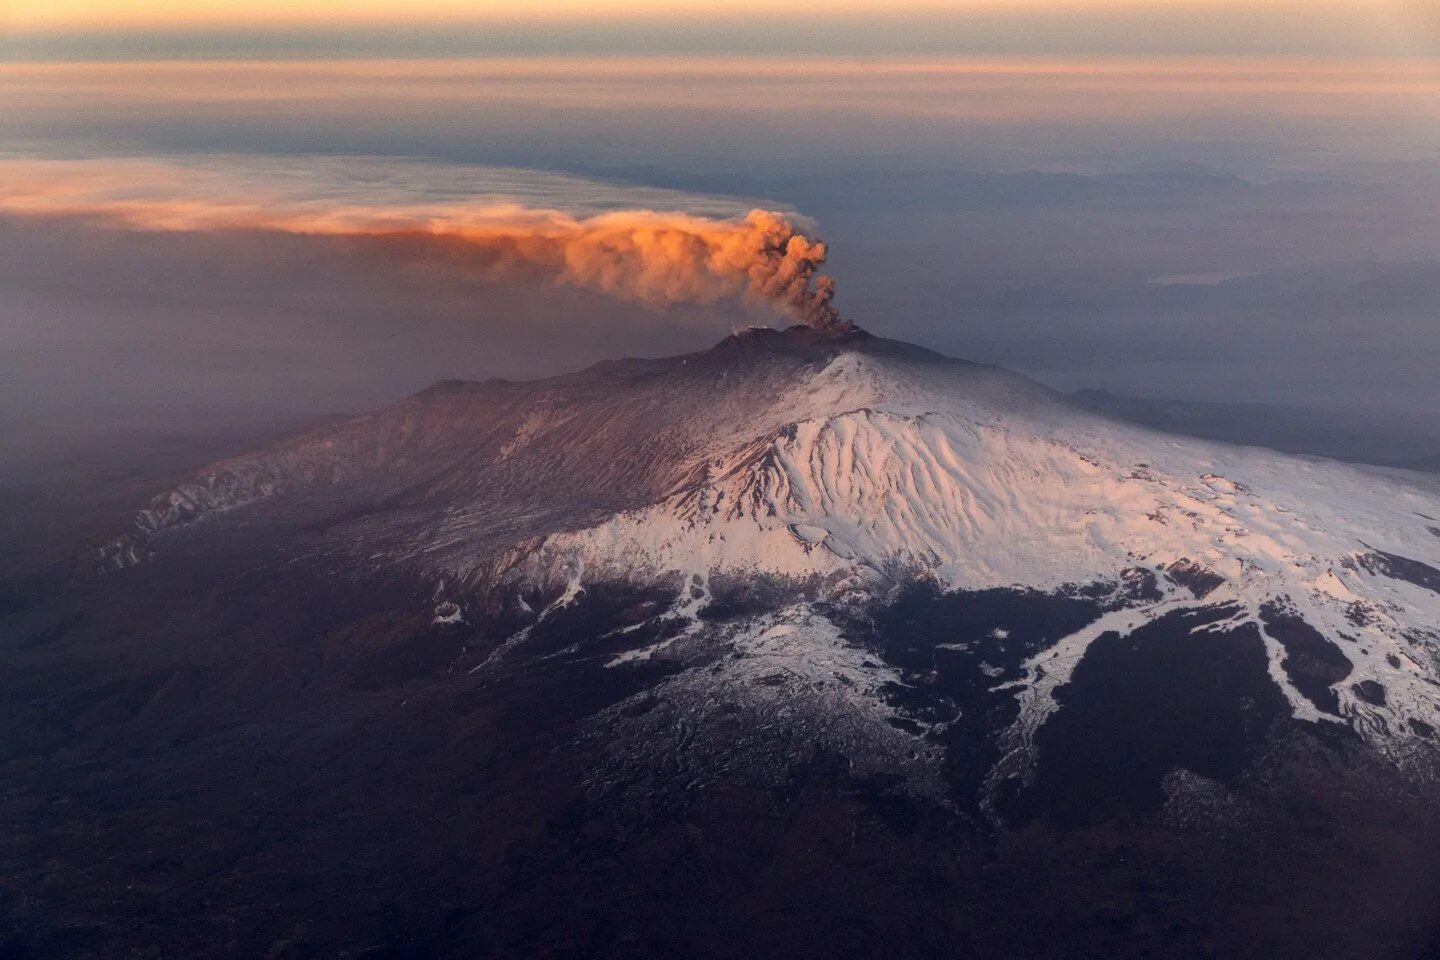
<point>838,466</point>
<point>810,606</point>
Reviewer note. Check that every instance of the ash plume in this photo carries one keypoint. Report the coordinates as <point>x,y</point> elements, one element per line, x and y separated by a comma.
<point>640,255</point>
<point>654,258</point>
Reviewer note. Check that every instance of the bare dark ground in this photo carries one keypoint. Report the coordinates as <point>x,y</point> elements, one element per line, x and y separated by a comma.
<point>208,758</point>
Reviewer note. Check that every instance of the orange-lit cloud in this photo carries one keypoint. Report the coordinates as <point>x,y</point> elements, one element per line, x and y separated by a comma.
<point>645,256</point>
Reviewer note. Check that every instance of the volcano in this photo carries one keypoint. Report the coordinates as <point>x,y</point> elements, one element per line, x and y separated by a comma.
<point>810,644</point>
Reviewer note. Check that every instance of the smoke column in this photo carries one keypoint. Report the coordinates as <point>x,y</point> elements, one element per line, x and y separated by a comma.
<point>656,258</point>
<point>642,256</point>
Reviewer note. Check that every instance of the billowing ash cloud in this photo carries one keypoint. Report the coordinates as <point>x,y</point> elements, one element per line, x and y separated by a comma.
<point>493,226</point>
<point>640,255</point>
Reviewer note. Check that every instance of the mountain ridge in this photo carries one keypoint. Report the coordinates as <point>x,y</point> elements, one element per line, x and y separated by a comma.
<point>809,628</point>
<point>836,466</point>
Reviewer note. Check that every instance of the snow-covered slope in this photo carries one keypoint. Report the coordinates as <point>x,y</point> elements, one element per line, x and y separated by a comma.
<point>840,466</point>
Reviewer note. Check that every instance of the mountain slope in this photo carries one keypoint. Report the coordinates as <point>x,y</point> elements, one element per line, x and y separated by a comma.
<point>811,644</point>
<point>842,465</point>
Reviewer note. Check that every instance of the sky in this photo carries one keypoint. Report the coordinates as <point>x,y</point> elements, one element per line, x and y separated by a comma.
<point>122,14</point>
<point>262,28</point>
<point>1222,201</point>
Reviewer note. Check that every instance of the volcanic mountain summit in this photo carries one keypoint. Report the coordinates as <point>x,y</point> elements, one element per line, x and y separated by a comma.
<point>836,467</point>
<point>803,563</point>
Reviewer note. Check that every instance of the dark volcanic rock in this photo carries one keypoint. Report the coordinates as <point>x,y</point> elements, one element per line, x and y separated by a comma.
<point>1313,663</point>
<point>956,649</point>
<point>1195,577</point>
<point>211,781</point>
<point>1371,691</point>
<point>1141,705</point>
<point>1402,568</point>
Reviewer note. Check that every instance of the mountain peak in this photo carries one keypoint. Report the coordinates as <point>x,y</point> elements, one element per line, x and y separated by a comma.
<point>800,339</point>
<point>822,343</point>
<point>832,464</point>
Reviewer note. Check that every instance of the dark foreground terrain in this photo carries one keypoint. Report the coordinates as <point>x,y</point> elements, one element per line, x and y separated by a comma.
<point>308,772</point>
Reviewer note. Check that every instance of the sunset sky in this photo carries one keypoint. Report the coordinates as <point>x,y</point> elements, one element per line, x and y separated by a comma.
<point>177,12</point>
<point>1226,199</point>
<point>56,28</point>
